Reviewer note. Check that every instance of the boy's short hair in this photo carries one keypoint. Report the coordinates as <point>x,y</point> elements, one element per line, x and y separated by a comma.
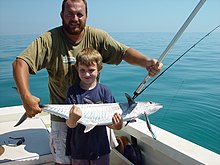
<point>89,56</point>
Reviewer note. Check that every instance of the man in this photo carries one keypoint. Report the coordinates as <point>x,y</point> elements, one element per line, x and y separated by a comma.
<point>55,50</point>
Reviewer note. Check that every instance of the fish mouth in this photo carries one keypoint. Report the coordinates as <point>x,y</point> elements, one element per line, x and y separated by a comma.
<point>158,106</point>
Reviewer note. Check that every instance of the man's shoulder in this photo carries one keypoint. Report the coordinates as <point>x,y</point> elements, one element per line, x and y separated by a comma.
<point>94,30</point>
<point>52,32</point>
<point>56,30</point>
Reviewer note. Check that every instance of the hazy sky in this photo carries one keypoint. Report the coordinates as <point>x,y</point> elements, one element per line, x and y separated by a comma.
<point>37,16</point>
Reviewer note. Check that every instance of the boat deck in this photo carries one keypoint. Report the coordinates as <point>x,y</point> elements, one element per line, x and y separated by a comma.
<point>167,149</point>
<point>35,149</point>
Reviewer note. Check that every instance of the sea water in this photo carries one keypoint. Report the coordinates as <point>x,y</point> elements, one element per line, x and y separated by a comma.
<point>189,90</point>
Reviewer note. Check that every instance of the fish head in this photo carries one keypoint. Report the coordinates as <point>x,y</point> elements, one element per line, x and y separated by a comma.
<point>147,108</point>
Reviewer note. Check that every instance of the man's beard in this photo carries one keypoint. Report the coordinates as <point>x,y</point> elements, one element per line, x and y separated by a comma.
<point>73,31</point>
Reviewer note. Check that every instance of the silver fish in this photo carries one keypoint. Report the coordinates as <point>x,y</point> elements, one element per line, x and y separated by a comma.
<point>101,114</point>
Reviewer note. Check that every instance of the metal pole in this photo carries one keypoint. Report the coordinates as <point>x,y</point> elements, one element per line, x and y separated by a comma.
<point>171,44</point>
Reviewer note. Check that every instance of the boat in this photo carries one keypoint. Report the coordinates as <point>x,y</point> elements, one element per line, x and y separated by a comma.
<point>167,149</point>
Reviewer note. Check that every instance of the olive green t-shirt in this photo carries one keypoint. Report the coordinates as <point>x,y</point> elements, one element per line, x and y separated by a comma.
<point>55,52</point>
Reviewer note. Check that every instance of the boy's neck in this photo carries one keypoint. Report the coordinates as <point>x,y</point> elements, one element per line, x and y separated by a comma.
<point>87,86</point>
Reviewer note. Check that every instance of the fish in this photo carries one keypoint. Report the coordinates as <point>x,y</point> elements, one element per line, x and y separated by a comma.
<point>101,114</point>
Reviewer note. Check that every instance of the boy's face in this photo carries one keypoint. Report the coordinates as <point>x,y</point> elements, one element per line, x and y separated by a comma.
<point>88,74</point>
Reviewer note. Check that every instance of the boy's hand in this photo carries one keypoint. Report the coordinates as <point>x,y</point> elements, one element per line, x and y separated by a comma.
<point>117,122</point>
<point>74,115</point>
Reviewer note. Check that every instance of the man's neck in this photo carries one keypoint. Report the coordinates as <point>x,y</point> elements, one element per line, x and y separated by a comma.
<point>75,38</point>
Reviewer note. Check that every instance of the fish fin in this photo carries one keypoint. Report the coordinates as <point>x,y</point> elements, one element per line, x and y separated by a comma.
<point>129,99</point>
<point>15,88</point>
<point>21,120</point>
<point>130,105</point>
<point>130,121</point>
<point>89,127</point>
<point>149,127</point>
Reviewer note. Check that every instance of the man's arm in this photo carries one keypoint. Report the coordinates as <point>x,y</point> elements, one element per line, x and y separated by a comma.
<point>134,57</point>
<point>21,77</point>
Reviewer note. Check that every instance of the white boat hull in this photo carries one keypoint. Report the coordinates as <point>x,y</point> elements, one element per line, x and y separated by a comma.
<point>167,149</point>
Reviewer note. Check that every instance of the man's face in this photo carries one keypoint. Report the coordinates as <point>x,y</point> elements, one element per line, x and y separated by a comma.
<point>74,17</point>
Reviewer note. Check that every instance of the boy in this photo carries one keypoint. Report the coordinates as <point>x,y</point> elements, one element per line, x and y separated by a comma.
<point>92,147</point>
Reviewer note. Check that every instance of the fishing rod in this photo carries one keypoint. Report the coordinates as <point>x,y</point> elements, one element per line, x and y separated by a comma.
<point>178,59</point>
<point>171,44</point>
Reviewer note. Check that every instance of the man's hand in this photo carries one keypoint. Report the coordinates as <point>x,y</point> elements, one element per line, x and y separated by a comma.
<point>153,67</point>
<point>31,105</point>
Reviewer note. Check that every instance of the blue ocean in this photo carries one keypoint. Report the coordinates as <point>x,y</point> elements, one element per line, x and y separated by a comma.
<point>189,90</point>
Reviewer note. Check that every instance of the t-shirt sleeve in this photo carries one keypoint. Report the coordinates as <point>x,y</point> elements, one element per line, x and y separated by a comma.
<point>109,98</point>
<point>111,50</point>
<point>36,55</point>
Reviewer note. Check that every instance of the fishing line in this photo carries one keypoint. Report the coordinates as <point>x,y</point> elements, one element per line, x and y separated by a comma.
<point>175,61</point>
<point>170,104</point>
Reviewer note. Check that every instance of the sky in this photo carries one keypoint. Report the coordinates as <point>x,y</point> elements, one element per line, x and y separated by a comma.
<point>38,16</point>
